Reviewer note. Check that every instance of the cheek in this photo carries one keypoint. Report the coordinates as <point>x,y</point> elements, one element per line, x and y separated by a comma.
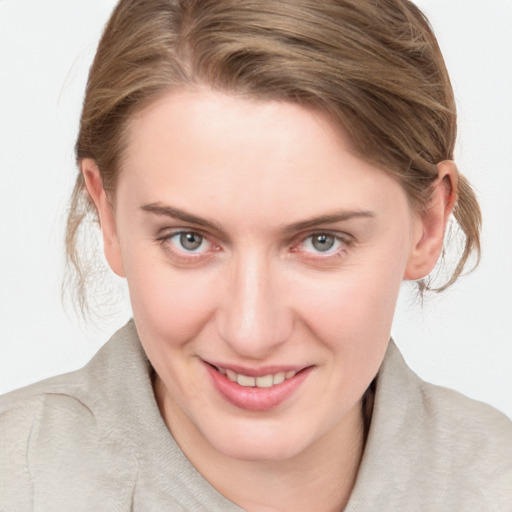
<point>167,304</point>
<point>352,314</point>
<point>170,311</point>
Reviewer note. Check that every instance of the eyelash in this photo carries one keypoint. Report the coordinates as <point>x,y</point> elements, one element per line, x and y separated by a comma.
<point>344,241</point>
<point>184,256</point>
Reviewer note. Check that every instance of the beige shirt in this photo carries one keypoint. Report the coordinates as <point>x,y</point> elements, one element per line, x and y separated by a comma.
<point>94,440</point>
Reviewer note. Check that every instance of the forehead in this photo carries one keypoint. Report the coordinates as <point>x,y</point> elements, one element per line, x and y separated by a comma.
<point>205,149</point>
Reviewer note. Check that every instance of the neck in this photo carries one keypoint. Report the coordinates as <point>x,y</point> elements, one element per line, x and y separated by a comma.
<point>320,478</point>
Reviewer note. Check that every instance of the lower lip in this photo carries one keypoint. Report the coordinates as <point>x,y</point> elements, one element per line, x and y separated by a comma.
<point>254,398</point>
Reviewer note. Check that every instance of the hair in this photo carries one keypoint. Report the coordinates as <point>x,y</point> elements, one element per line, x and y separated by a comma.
<point>373,66</point>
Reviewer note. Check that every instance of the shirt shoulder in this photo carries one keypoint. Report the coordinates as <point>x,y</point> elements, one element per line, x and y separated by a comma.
<point>57,449</point>
<point>449,410</point>
<point>60,405</point>
<point>470,443</point>
<point>94,439</point>
<point>432,448</point>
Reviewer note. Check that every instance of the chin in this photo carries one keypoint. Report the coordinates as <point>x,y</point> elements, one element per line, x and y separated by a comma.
<point>268,452</point>
<point>259,442</point>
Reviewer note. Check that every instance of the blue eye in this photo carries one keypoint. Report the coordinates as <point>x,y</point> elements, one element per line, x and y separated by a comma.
<point>189,241</point>
<point>322,243</point>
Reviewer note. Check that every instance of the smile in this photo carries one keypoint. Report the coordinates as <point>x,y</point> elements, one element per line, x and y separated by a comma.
<point>264,391</point>
<point>264,381</point>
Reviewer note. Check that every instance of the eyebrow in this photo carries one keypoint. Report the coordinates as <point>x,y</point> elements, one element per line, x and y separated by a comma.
<point>176,213</point>
<point>328,218</point>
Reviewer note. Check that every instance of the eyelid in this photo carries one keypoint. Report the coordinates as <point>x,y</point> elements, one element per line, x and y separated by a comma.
<point>176,240</point>
<point>330,232</point>
<point>168,229</point>
<point>165,235</point>
<point>345,239</point>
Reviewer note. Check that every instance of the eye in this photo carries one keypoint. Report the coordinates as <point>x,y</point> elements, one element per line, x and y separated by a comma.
<point>187,247</point>
<point>189,242</point>
<point>322,243</point>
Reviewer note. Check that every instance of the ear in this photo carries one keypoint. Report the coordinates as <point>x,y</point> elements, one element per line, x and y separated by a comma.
<point>430,226</point>
<point>94,186</point>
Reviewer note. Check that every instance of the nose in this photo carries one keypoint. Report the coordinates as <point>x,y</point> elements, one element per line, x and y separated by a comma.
<point>254,317</point>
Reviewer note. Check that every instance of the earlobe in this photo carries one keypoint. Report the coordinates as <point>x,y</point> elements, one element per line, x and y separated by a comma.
<point>430,226</point>
<point>94,186</point>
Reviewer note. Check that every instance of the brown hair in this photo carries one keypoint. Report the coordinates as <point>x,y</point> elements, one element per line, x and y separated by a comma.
<point>374,66</point>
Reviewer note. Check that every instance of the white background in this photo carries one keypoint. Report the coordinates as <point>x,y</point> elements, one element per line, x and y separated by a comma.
<point>461,339</point>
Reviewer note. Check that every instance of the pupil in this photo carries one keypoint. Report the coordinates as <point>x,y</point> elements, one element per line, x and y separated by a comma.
<point>190,241</point>
<point>323,242</point>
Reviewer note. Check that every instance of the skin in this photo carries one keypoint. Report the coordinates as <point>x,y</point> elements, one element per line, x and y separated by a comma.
<point>257,292</point>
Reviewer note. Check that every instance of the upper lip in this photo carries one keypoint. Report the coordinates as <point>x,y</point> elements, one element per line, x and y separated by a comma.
<point>256,372</point>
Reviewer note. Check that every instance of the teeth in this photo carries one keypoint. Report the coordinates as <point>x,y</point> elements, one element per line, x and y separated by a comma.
<point>244,380</point>
<point>266,381</point>
<point>279,377</point>
<point>231,375</point>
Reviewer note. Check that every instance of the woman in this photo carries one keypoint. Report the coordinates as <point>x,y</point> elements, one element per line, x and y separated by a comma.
<point>265,175</point>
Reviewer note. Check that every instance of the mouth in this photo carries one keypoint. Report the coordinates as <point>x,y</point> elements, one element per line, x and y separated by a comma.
<point>258,393</point>
<point>263,381</point>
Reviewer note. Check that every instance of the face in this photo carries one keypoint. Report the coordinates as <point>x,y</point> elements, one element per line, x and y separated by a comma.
<point>263,260</point>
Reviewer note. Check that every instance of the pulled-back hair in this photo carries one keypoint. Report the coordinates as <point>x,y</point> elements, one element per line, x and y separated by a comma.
<point>373,66</point>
